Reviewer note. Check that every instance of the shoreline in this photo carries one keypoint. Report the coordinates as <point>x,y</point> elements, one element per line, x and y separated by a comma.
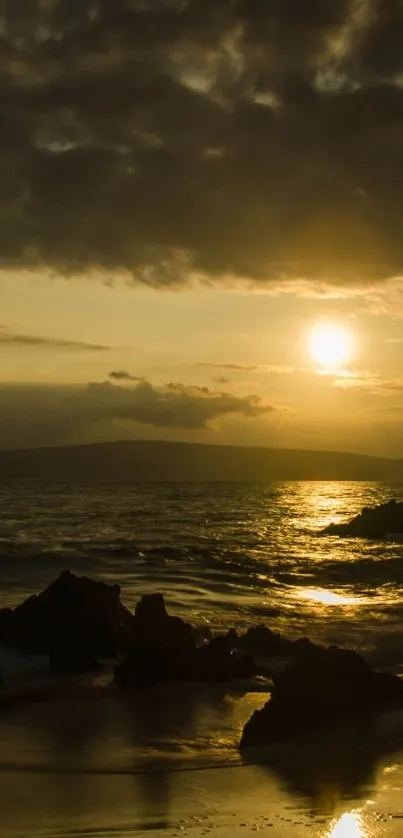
<point>100,768</point>
<point>107,759</point>
<point>242,800</point>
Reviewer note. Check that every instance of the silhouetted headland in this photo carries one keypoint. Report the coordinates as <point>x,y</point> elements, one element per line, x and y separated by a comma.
<point>170,461</point>
<point>372,522</point>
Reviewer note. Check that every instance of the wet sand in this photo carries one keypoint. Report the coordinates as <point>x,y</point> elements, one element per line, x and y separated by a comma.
<point>92,765</point>
<point>222,802</point>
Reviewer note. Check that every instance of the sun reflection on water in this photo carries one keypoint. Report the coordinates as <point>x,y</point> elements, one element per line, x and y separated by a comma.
<point>325,597</point>
<point>325,503</point>
<point>350,825</point>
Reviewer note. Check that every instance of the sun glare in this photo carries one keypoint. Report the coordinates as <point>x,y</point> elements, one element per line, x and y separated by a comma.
<point>324,597</point>
<point>348,826</point>
<point>330,346</point>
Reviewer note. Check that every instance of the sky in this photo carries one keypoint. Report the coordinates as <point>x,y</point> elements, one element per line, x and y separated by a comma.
<point>188,189</point>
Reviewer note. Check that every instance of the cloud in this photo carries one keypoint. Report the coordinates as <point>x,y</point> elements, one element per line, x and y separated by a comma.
<point>15,339</point>
<point>275,369</point>
<point>368,382</point>
<point>176,140</point>
<point>40,415</point>
<point>232,367</point>
<point>121,375</point>
<point>172,406</point>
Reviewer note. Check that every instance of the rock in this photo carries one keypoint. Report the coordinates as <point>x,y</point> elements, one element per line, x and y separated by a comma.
<point>233,639</point>
<point>219,662</point>
<point>262,642</point>
<point>75,620</point>
<point>160,647</point>
<point>6,619</point>
<point>372,522</point>
<point>163,650</point>
<point>202,635</point>
<point>73,659</point>
<point>153,626</point>
<point>151,610</point>
<point>322,688</point>
<point>302,649</point>
<point>269,650</point>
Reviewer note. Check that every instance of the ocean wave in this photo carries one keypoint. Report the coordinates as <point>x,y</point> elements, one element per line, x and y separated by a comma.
<point>223,554</point>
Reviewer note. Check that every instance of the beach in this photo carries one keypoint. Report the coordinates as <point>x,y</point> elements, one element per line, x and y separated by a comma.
<point>222,802</point>
<point>80,758</point>
<point>86,761</point>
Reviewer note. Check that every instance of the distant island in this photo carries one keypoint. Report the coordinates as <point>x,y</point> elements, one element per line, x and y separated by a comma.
<point>176,461</point>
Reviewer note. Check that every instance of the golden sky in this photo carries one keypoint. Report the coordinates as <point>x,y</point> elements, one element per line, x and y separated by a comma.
<point>239,342</point>
<point>186,191</point>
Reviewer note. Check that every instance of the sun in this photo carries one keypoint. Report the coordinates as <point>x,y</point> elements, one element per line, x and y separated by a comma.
<point>330,346</point>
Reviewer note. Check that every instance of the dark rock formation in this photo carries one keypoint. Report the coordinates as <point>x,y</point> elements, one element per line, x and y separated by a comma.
<point>372,522</point>
<point>72,658</point>
<point>219,661</point>
<point>6,622</point>
<point>269,650</point>
<point>322,688</point>
<point>75,620</point>
<point>159,648</point>
<point>162,650</point>
<point>262,643</point>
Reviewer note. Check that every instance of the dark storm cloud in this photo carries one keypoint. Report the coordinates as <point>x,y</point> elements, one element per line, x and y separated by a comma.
<point>40,414</point>
<point>15,339</point>
<point>221,138</point>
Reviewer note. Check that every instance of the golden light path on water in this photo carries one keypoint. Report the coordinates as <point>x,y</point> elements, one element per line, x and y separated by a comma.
<point>325,597</point>
<point>350,825</point>
<point>323,507</point>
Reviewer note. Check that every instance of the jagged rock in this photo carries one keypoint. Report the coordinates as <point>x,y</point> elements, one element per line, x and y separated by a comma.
<point>323,687</point>
<point>160,647</point>
<point>269,650</point>
<point>372,522</point>
<point>74,620</point>
<point>261,641</point>
<point>151,610</point>
<point>153,625</point>
<point>163,650</point>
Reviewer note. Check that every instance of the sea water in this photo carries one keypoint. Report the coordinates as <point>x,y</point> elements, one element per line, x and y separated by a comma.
<point>223,554</point>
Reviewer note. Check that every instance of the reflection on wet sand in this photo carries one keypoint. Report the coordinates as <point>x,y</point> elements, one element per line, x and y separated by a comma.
<point>93,751</point>
<point>106,764</point>
<point>336,765</point>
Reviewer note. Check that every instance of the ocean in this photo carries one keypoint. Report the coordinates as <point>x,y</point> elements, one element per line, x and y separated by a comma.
<point>223,554</point>
<point>81,760</point>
